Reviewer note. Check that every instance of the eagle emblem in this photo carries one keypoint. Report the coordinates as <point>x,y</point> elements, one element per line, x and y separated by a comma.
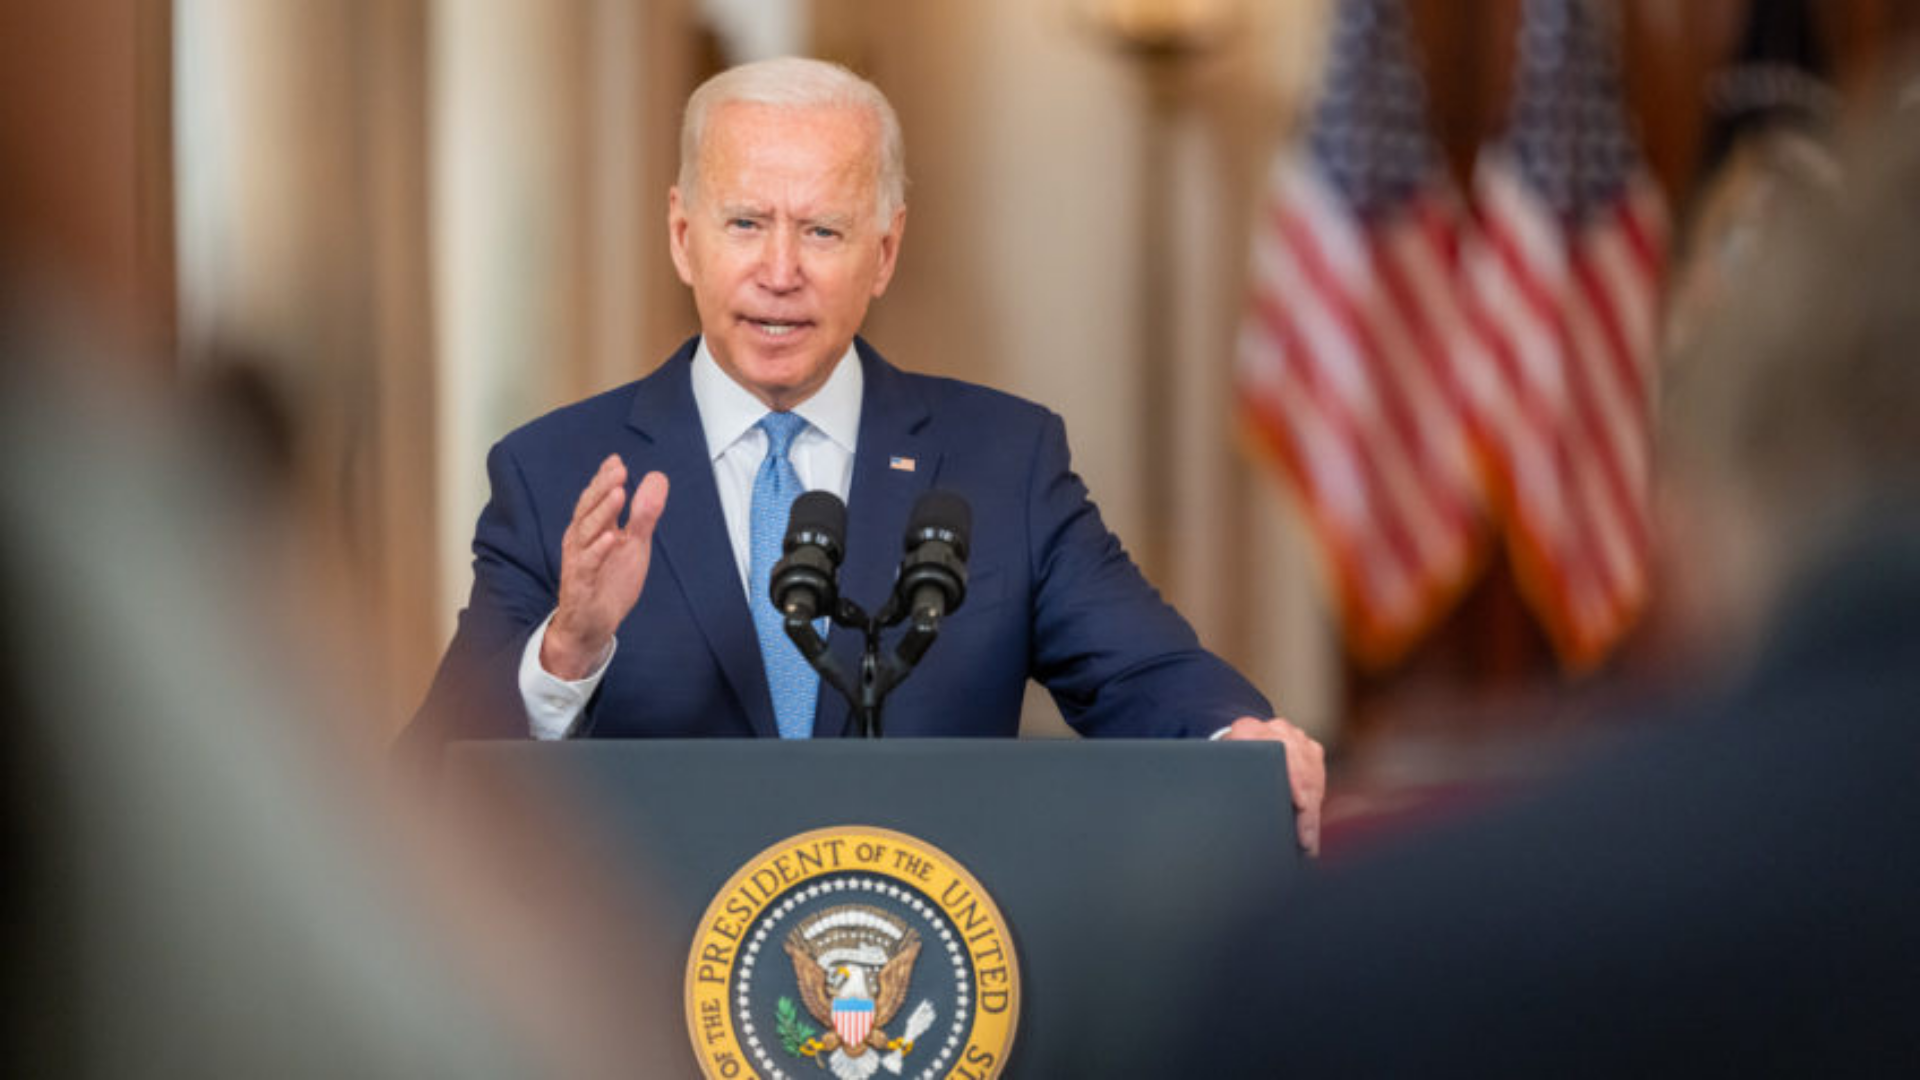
<point>852,953</point>
<point>853,964</point>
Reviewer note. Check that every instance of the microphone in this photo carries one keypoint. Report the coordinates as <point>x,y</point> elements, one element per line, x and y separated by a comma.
<point>803,585</point>
<point>932,582</point>
<point>933,575</point>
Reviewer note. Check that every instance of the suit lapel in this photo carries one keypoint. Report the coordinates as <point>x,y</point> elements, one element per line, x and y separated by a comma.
<point>691,540</point>
<point>894,462</point>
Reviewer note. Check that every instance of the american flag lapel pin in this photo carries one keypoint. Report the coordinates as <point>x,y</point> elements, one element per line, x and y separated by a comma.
<point>904,464</point>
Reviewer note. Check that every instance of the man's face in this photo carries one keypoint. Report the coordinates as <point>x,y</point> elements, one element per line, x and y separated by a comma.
<point>781,242</point>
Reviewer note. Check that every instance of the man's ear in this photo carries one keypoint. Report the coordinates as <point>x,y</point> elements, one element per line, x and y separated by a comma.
<point>677,223</point>
<point>889,251</point>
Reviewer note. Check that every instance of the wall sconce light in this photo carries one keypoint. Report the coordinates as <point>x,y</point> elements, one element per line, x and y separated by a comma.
<point>1160,29</point>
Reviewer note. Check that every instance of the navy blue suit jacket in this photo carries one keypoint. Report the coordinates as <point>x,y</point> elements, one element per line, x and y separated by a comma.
<point>1051,594</point>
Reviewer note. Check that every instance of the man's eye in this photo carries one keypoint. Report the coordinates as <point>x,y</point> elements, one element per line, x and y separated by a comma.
<point>821,232</point>
<point>742,223</point>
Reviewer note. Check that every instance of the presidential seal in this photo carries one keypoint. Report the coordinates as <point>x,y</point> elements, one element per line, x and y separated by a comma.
<point>852,952</point>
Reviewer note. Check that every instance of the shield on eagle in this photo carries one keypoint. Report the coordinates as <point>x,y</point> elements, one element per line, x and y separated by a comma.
<point>852,1019</point>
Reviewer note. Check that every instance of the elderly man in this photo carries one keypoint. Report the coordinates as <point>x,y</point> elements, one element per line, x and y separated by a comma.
<point>786,223</point>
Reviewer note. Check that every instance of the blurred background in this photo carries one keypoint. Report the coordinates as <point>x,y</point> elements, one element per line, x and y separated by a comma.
<point>375,235</point>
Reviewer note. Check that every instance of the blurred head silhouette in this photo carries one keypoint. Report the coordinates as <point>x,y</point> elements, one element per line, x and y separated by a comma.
<point>1788,427</point>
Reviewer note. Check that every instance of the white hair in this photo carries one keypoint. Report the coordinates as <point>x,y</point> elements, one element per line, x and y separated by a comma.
<point>795,82</point>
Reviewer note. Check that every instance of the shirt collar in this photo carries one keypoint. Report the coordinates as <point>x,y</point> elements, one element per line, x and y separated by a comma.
<point>728,410</point>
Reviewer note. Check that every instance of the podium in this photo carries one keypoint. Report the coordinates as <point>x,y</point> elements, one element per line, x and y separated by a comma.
<point>1116,865</point>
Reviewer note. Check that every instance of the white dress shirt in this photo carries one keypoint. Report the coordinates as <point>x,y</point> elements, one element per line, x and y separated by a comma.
<point>822,455</point>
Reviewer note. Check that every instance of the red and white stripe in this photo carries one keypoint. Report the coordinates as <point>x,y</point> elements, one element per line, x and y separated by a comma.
<point>1348,368</point>
<point>853,1025</point>
<point>1561,382</point>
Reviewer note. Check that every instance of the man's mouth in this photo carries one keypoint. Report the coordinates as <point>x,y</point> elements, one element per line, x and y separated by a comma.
<point>776,328</point>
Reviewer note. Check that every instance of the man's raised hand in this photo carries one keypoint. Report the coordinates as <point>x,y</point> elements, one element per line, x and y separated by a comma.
<point>603,564</point>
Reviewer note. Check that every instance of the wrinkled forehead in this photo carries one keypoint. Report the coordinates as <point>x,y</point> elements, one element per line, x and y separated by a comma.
<point>836,144</point>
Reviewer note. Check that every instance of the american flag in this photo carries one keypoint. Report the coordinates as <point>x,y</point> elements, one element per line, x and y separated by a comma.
<point>1563,278</point>
<point>1347,358</point>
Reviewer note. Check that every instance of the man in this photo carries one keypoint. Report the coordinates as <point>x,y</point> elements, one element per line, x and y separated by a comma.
<point>786,223</point>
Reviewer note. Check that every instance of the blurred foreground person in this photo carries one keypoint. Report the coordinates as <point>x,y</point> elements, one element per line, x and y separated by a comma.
<point>1733,894</point>
<point>203,876</point>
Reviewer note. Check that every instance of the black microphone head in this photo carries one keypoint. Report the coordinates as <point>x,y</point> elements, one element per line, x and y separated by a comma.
<point>818,518</point>
<point>940,515</point>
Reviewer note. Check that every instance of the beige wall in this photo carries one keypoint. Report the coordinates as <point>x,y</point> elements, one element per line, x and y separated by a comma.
<point>300,197</point>
<point>553,128</point>
<point>1023,263</point>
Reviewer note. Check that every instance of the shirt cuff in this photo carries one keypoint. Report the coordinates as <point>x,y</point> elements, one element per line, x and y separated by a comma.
<point>554,704</point>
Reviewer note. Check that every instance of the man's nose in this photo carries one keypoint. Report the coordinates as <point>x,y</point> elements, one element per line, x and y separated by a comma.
<point>780,261</point>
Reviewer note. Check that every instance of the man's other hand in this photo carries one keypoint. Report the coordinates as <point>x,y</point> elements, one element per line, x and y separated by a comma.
<point>1306,770</point>
<point>602,567</point>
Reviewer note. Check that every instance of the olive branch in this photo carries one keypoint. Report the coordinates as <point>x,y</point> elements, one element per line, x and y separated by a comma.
<point>793,1031</point>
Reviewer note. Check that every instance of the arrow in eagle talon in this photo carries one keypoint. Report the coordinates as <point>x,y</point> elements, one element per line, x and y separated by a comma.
<point>917,1025</point>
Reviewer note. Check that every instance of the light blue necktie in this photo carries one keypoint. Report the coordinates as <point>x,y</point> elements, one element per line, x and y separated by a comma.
<point>794,683</point>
